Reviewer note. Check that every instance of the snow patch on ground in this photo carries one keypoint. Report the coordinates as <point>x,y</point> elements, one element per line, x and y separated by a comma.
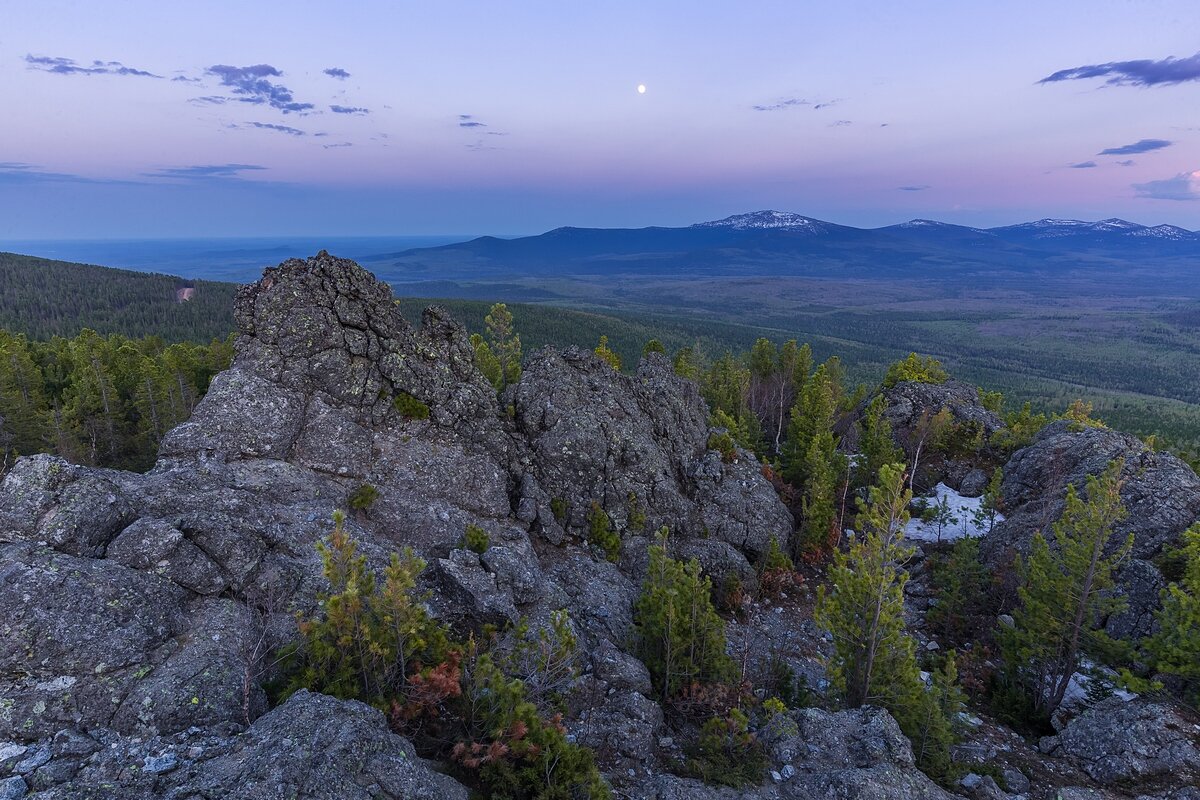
<point>962,511</point>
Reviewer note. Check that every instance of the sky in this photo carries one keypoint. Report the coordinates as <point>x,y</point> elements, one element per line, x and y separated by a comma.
<point>142,119</point>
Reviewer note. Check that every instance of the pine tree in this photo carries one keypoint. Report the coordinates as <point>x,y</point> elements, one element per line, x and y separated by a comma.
<point>686,364</point>
<point>876,446</point>
<point>680,638</point>
<point>609,355</point>
<point>812,415</point>
<point>505,343</point>
<point>991,504</point>
<point>367,638</point>
<point>1175,648</point>
<point>962,581</point>
<point>864,610</point>
<point>725,386</point>
<point>825,468</point>
<point>486,362</point>
<point>653,346</point>
<point>874,660</point>
<point>22,396</point>
<point>1064,592</point>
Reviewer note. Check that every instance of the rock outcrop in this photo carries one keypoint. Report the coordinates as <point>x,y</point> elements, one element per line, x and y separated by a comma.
<point>1160,493</point>
<point>145,608</point>
<point>908,407</point>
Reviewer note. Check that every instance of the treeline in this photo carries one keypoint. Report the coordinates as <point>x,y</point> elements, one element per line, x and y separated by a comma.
<point>42,298</point>
<point>96,400</point>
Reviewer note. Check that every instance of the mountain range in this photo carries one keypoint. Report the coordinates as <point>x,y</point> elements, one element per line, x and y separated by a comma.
<point>781,243</point>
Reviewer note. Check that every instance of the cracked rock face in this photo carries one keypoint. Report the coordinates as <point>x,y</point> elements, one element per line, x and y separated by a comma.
<point>622,441</point>
<point>139,609</point>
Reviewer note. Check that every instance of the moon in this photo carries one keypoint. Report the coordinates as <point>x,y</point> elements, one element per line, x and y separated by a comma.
<point>641,88</point>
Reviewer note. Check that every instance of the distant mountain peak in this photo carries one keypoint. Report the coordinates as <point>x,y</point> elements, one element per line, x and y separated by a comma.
<point>764,219</point>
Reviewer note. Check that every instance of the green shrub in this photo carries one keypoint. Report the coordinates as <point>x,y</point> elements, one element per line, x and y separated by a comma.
<point>487,362</point>
<point>513,752</point>
<point>376,643</point>
<point>1020,428</point>
<point>409,406</point>
<point>476,539</point>
<point>920,369</point>
<point>602,533</point>
<point>1080,414</point>
<point>653,346</point>
<point>609,355</point>
<point>679,636</point>
<point>363,497</point>
<point>992,401</point>
<point>558,507</point>
<point>1175,649</point>
<point>723,443</point>
<point>366,639</point>
<point>727,753</point>
<point>775,558</point>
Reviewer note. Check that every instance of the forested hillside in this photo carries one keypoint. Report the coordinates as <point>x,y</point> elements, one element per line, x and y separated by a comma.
<point>43,298</point>
<point>100,400</point>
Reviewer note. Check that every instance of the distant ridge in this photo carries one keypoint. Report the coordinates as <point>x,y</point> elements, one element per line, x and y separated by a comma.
<point>781,243</point>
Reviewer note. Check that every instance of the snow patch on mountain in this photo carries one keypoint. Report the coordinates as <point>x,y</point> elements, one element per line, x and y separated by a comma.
<point>760,220</point>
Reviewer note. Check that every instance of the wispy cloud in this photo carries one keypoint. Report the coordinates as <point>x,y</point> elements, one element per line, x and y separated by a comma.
<point>1129,162</point>
<point>339,144</point>
<point>840,123</point>
<point>469,121</point>
<point>251,86</point>
<point>1143,72</point>
<point>269,126</point>
<point>919,187</point>
<point>68,66</point>
<point>202,172</point>
<point>337,72</point>
<point>1083,165</point>
<point>780,105</point>
<point>1140,146</point>
<point>1184,186</point>
<point>349,110</point>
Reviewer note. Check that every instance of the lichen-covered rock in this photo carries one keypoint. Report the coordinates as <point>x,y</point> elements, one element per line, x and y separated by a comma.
<point>599,436</point>
<point>317,747</point>
<point>153,545</point>
<point>74,633</point>
<point>852,754</point>
<point>312,747</point>
<point>909,401</point>
<point>1139,743</point>
<point>909,405</point>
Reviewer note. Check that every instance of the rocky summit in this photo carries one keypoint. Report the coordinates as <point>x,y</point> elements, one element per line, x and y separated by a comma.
<point>142,613</point>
